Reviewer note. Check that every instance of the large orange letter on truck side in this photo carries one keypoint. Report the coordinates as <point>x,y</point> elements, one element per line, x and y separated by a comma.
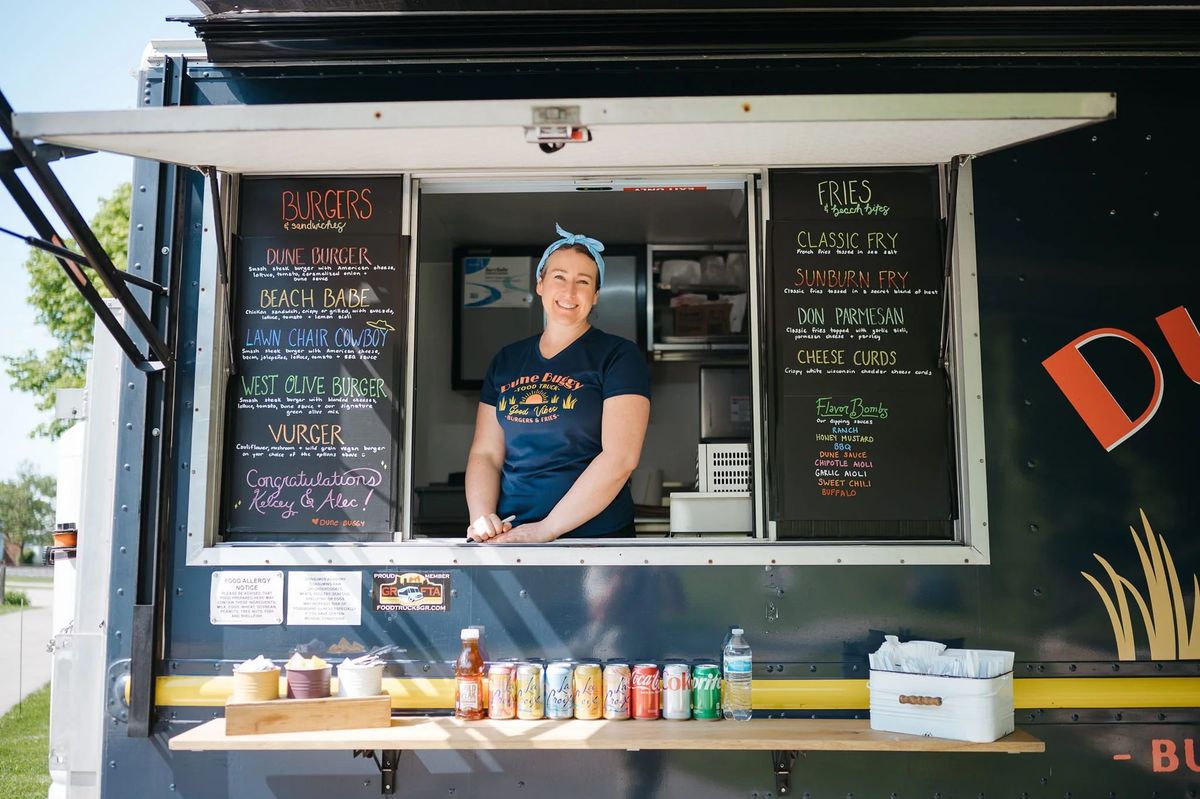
<point>1091,398</point>
<point>1181,333</point>
<point>1165,758</point>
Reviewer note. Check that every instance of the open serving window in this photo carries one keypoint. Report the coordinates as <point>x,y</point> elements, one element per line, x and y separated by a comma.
<point>799,272</point>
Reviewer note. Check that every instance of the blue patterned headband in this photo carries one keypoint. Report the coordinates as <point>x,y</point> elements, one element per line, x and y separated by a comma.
<point>594,249</point>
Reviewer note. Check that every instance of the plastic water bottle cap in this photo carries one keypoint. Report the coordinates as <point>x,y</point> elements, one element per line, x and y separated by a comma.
<point>738,631</point>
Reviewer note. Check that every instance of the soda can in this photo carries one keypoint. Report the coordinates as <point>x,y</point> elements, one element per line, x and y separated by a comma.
<point>588,685</point>
<point>706,692</point>
<point>560,694</point>
<point>616,691</point>
<point>643,692</point>
<point>531,691</point>
<point>502,684</point>
<point>677,692</point>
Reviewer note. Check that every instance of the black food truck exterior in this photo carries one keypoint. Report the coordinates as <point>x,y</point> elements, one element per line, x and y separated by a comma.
<point>916,291</point>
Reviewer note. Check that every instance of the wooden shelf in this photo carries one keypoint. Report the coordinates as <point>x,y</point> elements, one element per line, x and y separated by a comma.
<point>807,735</point>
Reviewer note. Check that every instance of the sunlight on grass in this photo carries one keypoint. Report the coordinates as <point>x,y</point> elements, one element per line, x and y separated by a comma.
<point>25,748</point>
<point>1165,619</point>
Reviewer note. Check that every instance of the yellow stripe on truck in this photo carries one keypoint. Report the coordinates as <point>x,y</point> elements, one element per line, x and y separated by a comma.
<point>419,693</point>
<point>415,693</point>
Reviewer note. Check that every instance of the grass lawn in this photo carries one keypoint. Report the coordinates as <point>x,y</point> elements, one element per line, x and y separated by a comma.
<point>25,748</point>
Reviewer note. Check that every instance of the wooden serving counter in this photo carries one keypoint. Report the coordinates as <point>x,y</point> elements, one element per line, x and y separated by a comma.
<point>782,737</point>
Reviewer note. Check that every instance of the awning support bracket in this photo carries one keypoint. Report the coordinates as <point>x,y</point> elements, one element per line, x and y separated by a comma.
<point>214,186</point>
<point>92,251</point>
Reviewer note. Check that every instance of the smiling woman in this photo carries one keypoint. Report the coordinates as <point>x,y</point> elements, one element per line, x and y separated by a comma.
<point>561,418</point>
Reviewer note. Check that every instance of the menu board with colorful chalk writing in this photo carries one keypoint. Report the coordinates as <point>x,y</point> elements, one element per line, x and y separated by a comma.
<point>318,316</point>
<point>860,427</point>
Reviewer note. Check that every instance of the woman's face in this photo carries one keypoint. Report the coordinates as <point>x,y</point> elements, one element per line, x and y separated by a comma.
<point>568,286</point>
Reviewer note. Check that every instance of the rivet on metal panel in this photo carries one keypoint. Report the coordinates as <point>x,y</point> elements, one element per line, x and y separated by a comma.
<point>142,189</point>
<point>122,550</point>
<point>117,633</point>
<point>165,250</point>
<point>120,592</point>
<point>126,467</point>
<point>155,432</point>
<point>523,593</point>
<point>130,386</point>
<point>140,226</point>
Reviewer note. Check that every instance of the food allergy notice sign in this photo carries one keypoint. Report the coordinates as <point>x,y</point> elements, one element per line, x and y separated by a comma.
<point>246,597</point>
<point>856,292</point>
<point>318,319</point>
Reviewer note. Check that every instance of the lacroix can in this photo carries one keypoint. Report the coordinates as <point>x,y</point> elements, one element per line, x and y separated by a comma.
<point>560,694</point>
<point>677,692</point>
<point>616,691</point>
<point>531,691</point>
<point>502,684</point>
<point>706,692</point>
<point>643,692</point>
<point>588,685</point>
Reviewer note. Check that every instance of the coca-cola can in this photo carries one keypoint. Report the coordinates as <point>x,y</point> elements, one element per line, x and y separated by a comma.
<point>502,684</point>
<point>560,694</point>
<point>616,691</point>
<point>676,692</point>
<point>588,685</point>
<point>531,691</point>
<point>643,692</point>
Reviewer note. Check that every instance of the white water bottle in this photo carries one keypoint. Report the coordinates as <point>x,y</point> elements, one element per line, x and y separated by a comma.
<point>737,667</point>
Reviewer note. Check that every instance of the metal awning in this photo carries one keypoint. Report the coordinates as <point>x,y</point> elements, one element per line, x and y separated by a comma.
<point>637,132</point>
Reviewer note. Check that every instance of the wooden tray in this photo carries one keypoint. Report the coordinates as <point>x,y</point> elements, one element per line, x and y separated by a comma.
<point>303,715</point>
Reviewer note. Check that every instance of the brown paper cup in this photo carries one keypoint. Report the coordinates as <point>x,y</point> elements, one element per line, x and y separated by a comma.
<point>308,683</point>
<point>255,686</point>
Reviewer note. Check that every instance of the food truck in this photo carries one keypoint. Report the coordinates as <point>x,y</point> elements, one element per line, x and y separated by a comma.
<point>915,292</point>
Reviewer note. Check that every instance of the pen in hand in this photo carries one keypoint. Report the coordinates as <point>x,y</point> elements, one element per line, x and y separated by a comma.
<point>503,522</point>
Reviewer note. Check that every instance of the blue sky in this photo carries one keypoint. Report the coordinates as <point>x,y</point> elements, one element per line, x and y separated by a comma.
<point>64,55</point>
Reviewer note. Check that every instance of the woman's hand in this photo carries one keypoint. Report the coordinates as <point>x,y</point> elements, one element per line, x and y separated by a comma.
<point>532,533</point>
<point>486,528</point>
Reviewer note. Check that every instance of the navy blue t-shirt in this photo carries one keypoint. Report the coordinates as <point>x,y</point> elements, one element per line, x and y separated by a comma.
<point>550,410</point>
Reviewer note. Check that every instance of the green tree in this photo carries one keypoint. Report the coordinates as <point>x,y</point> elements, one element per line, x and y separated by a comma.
<point>64,313</point>
<point>26,507</point>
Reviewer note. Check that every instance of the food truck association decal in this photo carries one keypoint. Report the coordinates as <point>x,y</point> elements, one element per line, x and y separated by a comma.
<point>418,591</point>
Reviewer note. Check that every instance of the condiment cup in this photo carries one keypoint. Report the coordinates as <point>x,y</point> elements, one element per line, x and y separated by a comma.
<point>308,683</point>
<point>255,686</point>
<point>355,680</point>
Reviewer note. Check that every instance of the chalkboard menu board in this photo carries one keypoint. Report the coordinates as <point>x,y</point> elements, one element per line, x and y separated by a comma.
<point>860,427</point>
<point>318,314</point>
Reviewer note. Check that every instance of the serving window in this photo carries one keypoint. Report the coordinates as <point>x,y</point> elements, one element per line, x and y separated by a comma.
<point>833,411</point>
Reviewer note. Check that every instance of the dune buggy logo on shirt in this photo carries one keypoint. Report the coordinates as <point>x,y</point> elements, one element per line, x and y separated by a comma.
<point>538,398</point>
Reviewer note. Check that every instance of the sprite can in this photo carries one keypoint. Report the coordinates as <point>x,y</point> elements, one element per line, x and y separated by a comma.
<point>706,692</point>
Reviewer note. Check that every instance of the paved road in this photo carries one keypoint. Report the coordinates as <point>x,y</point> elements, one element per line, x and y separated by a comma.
<point>23,638</point>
